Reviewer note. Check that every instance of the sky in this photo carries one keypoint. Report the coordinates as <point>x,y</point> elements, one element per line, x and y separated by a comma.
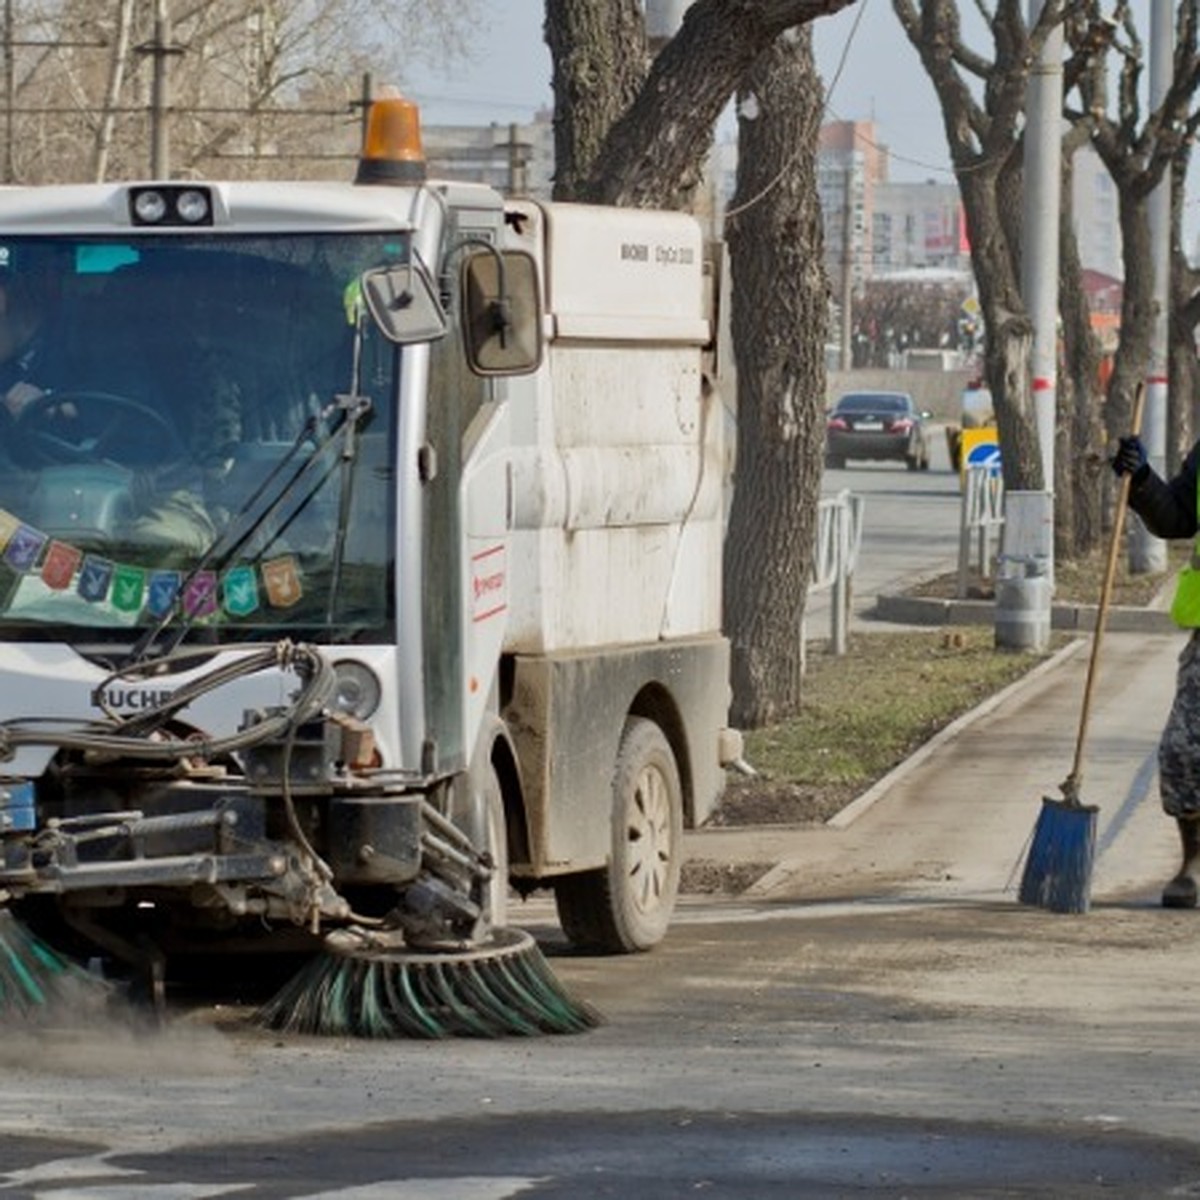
<point>865,61</point>
<point>869,69</point>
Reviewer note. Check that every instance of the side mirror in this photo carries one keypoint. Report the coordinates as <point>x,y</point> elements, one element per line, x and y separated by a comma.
<point>502,313</point>
<point>403,303</point>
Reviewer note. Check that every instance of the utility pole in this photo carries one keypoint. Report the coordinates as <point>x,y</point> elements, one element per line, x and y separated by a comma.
<point>1039,269</point>
<point>847,289</point>
<point>1148,554</point>
<point>161,50</point>
<point>10,93</point>
<point>363,104</point>
<point>518,162</point>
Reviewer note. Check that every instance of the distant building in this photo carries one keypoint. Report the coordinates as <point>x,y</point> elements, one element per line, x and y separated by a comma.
<point>918,225</point>
<point>1104,295</point>
<point>901,226</point>
<point>1097,218</point>
<point>517,160</point>
<point>873,226</point>
<point>851,166</point>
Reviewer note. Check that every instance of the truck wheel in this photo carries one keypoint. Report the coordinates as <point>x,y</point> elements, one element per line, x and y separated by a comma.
<point>495,898</point>
<point>627,905</point>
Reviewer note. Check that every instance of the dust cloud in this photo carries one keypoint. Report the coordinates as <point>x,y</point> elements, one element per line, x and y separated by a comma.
<point>88,1029</point>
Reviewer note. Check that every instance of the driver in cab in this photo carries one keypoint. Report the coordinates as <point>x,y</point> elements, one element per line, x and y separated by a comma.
<point>30,288</point>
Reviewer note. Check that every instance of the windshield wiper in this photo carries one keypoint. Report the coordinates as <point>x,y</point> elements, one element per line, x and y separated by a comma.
<point>246,524</point>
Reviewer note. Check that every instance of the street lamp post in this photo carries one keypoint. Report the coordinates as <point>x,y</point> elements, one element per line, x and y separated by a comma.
<point>1147,553</point>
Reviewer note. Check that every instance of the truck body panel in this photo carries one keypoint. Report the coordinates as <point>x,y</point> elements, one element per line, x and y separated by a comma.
<point>297,578</point>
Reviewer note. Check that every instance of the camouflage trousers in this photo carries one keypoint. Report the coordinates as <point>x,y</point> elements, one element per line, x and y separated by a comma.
<point>1179,749</point>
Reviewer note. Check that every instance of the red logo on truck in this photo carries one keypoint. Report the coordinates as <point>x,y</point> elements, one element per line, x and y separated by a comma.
<point>489,583</point>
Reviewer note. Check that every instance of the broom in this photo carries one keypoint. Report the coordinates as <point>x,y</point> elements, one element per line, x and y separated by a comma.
<point>1058,869</point>
<point>35,979</point>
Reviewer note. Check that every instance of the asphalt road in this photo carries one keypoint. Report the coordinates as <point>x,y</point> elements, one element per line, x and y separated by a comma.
<point>910,527</point>
<point>879,1019</point>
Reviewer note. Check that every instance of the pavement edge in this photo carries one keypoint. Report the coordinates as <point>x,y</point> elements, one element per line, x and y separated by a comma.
<point>846,816</point>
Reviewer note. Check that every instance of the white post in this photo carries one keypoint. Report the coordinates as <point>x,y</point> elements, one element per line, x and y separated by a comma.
<point>1039,287</point>
<point>1039,266</point>
<point>1148,554</point>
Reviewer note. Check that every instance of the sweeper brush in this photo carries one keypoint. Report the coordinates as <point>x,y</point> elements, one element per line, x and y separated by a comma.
<point>35,980</point>
<point>358,989</point>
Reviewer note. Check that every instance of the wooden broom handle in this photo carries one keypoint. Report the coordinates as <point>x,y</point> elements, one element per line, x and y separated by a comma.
<point>1071,787</point>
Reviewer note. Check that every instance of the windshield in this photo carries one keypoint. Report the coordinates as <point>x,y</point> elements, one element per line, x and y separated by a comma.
<point>171,439</point>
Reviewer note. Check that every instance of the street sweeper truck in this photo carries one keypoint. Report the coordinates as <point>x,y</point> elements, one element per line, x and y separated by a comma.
<point>360,556</point>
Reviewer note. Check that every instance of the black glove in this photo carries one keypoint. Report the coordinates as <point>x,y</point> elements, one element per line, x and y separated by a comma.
<point>1130,458</point>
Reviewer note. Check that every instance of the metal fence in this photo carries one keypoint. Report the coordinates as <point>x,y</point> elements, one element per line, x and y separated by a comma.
<point>981,522</point>
<point>839,536</point>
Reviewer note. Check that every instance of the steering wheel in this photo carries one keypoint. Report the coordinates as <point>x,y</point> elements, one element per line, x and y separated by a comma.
<point>59,428</point>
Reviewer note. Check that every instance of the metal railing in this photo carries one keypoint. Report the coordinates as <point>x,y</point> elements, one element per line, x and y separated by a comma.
<point>835,555</point>
<point>981,522</point>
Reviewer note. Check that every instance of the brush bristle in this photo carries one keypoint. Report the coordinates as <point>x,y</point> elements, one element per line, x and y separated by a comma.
<point>1058,868</point>
<point>503,989</point>
<point>34,978</point>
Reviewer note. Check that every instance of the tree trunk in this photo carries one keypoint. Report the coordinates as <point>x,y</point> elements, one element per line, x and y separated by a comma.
<point>653,157</point>
<point>1008,346</point>
<point>780,314</point>
<point>600,58</point>
<point>1137,311</point>
<point>1183,369</point>
<point>654,154</point>
<point>118,63</point>
<point>983,142</point>
<point>1079,463</point>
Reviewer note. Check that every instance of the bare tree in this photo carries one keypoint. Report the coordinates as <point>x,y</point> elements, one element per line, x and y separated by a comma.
<point>982,101</point>
<point>600,58</point>
<point>653,155</point>
<point>1137,149</point>
<point>251,80</point>
<point>1184,368</point>
<point>1079,429</point>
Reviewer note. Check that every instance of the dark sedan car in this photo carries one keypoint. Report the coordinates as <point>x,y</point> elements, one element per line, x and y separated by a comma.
<point>878,425</point>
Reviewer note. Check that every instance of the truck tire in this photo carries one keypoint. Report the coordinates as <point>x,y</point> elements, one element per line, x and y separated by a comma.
<point>626,906</point>
<point>495,900</point>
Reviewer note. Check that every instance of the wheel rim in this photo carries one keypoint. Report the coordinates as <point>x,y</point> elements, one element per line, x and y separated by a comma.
<point>649,839</point>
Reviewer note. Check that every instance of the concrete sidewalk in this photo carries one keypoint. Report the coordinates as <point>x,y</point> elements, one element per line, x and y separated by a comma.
<point>954,820</point>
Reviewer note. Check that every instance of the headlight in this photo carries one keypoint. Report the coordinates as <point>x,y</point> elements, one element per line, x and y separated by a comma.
<point>149,206</point>
<point>358,692</point>
<point>192,206</point>
<point>170,204</point>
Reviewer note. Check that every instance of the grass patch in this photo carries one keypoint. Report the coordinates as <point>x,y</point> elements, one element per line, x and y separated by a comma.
<point>1076,581</point>
<point>864,713</point>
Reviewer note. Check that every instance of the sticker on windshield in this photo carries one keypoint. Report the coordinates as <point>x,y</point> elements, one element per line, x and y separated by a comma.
<point>240,591</point>
<point>129,586</point>
<point>281,578</point>
<point>58,569</point>
<point>23,548</point>
<point>95,577</point>
<point>161,591</point>
<point>200,595</point>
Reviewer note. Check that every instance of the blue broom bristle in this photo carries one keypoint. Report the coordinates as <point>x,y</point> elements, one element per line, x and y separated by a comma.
<point>1058,868</point>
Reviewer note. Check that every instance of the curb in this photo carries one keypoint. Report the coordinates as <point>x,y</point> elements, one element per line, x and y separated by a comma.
<point>924,610</point>
<point>860,804</point>
<point>877,791</point>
